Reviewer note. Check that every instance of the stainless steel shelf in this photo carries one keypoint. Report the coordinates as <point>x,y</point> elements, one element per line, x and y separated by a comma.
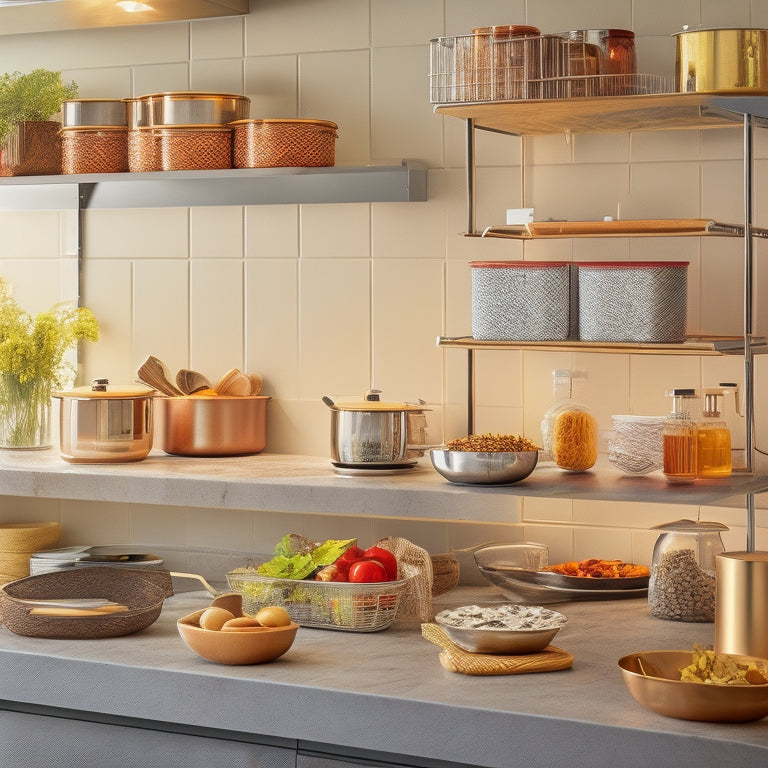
<point>263,186</point>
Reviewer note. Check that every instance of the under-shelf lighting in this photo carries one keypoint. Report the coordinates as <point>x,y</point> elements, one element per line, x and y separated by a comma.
<point>133,7</point>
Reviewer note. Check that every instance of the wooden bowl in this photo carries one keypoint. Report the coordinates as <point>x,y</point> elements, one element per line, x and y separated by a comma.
<point>236,648</point>
<point>653,679</point>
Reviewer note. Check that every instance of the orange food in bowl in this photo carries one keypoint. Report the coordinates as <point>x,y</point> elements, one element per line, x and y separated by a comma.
<point>205,393</point>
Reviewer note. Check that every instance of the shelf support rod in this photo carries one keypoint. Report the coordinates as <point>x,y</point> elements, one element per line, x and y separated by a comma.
<point>749,393</point>
<point>471,176</point>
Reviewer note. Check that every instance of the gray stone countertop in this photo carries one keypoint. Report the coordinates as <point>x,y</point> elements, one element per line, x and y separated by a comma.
<point>387,691</point>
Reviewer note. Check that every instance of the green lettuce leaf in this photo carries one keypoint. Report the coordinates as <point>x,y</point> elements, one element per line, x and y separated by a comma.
<point>288,564</point>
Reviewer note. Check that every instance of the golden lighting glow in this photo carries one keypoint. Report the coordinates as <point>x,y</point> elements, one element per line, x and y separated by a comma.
<point>132,7</point>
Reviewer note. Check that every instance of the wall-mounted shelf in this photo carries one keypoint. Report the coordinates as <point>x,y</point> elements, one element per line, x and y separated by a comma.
<point>263,186</point>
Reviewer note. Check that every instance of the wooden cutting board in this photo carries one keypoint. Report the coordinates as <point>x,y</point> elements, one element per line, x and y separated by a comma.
<point>456,659</point>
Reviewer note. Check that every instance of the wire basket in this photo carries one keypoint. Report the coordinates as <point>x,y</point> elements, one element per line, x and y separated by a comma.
<point>323,604</point>
<point>481,67</point>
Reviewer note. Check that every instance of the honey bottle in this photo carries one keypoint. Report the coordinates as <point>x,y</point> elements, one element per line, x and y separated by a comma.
<point>681,436</point>
<point>714,440</point>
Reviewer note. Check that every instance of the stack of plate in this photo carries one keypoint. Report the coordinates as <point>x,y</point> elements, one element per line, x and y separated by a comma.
<point>85,556</point>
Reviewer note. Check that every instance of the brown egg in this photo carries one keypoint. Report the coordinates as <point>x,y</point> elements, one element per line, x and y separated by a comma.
<point>273,616</point>
<point>241,622</point>
<point>215,618</point>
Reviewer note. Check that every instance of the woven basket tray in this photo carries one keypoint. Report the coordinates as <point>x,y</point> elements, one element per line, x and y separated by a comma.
<point>143,591</point>
<point>455,659</point>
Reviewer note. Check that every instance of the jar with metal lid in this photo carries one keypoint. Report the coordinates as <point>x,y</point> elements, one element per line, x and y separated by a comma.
<point>682,583</point>
<point>681,436</point>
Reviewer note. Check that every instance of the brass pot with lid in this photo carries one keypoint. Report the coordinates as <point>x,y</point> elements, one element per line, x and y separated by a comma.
<point>105,424</point>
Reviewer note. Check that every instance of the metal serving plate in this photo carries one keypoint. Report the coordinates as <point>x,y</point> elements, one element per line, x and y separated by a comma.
<point>545,587</point>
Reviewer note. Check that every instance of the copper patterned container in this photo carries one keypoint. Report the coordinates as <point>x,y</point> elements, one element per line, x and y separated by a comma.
<point>143,145</point>
<point>33,149</point>
<point>94,150</point>
<point>194,147</point>
<point>284,143</point>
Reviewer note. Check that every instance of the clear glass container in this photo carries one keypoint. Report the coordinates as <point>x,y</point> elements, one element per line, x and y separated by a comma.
<point>682,583</point>
<point>681,436</point>
<point>568,387</point>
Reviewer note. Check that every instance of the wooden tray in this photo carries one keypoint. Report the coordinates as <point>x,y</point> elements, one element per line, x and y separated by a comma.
<point>456,659</point>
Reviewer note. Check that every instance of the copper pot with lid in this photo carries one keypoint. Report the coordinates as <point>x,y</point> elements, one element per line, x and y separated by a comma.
<point>105,424</point>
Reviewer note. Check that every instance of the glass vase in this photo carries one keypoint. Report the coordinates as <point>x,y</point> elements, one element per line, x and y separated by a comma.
<point>25,413</point>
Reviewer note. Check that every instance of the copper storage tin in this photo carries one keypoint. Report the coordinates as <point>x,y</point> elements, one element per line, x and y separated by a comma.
<point>193,148</point>
<point>284,143</point>
<point>196,108</point>
<point>101,424</point>
<point>94,150</point>
<point>727,61</point>
<point>212,426</point>
<point>143,145</point>
<point>78,113</point>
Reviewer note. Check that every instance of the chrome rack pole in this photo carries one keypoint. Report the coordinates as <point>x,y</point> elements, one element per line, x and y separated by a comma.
<point>749,393</point>
<point>471,176</point>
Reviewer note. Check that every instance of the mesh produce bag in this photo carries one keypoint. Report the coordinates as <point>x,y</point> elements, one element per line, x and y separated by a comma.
<point>416,602</point>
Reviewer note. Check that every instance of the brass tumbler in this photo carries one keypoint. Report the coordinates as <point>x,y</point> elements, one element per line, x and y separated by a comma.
<point>741,603</point>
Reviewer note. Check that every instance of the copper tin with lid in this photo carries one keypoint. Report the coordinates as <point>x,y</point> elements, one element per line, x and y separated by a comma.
<point>105,424</point>
<point>196,108</point>
<point>93,113</point>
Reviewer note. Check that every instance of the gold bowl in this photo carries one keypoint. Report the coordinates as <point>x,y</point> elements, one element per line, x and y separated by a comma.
<point>653,679</point>
<point>236,648</point>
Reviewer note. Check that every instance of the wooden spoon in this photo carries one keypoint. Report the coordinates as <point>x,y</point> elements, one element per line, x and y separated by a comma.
<point>234,383</point>
<point>257,381</point>
<point>190,382</point>
<point>154,373</point>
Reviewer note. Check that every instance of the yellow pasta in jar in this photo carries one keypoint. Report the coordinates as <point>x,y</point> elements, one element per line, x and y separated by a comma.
<point>574,440</point>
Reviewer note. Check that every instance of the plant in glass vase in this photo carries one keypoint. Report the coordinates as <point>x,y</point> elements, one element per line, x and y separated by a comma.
<point>32,364</point>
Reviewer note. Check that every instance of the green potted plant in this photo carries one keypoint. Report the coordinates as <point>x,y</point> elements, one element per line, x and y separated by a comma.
<point>29,139</point>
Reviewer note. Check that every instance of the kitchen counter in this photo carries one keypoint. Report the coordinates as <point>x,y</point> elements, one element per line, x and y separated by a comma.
<point>386,692</point>
<point>286,483</point>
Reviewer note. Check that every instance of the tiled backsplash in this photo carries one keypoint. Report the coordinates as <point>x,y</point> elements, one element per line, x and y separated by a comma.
<point>331,299</point>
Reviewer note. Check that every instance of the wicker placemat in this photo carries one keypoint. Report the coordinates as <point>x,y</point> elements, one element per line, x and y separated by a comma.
<point>456,659</point>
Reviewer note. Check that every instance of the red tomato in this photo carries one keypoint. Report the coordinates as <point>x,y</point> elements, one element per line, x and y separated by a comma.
<point>342,563</point>
<point>386,558</point>
<point>367,571</point>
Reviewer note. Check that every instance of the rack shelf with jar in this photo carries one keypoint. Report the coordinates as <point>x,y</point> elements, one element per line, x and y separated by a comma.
<point>656,112</point>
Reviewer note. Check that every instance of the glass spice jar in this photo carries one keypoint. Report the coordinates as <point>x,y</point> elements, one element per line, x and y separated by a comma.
<point>682,582</point>
<point>681,436</point>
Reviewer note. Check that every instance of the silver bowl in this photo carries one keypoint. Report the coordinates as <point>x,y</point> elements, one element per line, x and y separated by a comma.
<point>484,467</point>
<point>501,629</point>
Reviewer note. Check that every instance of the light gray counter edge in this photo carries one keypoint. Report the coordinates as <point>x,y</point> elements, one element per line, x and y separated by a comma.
<point>387,692</point>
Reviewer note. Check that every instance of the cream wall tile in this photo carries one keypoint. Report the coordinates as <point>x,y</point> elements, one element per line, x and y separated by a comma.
<point>401,22</point>
<point>335,327</point>
<point>35,292</point>
<point>652,375</point>
<point>336,86</point>
<point>270,527</point>
<point>335,231</point>
<point>407,293</point>
<point>216,232</point>
<point>159,78</point>
<point>136,233</point>
<point>94,523</point>
<point>108,293</point>
<point>18,509</point>
<point>105,82</point>
<point>660,17</point>
<point>217,38</point>
<point>715,14</point>
<point>271,324</point>
<point>653,146</point>
<point>607,390</point>
<point>722,196</point>
<point>326,25</point>
<point>399,229</point>
<point>300,427</point>
<point>656,55</point>
<point>272,231</point>
<point>322,527</point>
<point>462,17</point>
<point>726,144</point>
<point>499,377</point>
<point>608,544</point>
<point>601,148</point>
<point>396,91</point>
<point>663,191</point>
<point>542,510</point>
<point>219,528</point>
<point>219,75</point>
<point>217,318</point>
<point>538,387</point>
<point>271,83</point>
<point>160,525</point>
<point>559,540</point>
<point>498,419</point>
<point>559,15</point>
<point>160,285</point>
<point>116,46</point>
<point>30,234</point>
<point>720,289</point>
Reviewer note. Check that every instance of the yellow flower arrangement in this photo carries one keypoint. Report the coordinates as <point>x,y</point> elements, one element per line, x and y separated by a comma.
<point>32,363</point>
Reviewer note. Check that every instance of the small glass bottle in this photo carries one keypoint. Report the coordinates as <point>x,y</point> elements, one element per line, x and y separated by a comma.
<point>680,436</point>
<point>714,440</point>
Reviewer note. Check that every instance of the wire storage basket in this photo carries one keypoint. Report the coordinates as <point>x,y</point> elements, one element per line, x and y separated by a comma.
<point>484,66</point>
<point>323,604</point>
